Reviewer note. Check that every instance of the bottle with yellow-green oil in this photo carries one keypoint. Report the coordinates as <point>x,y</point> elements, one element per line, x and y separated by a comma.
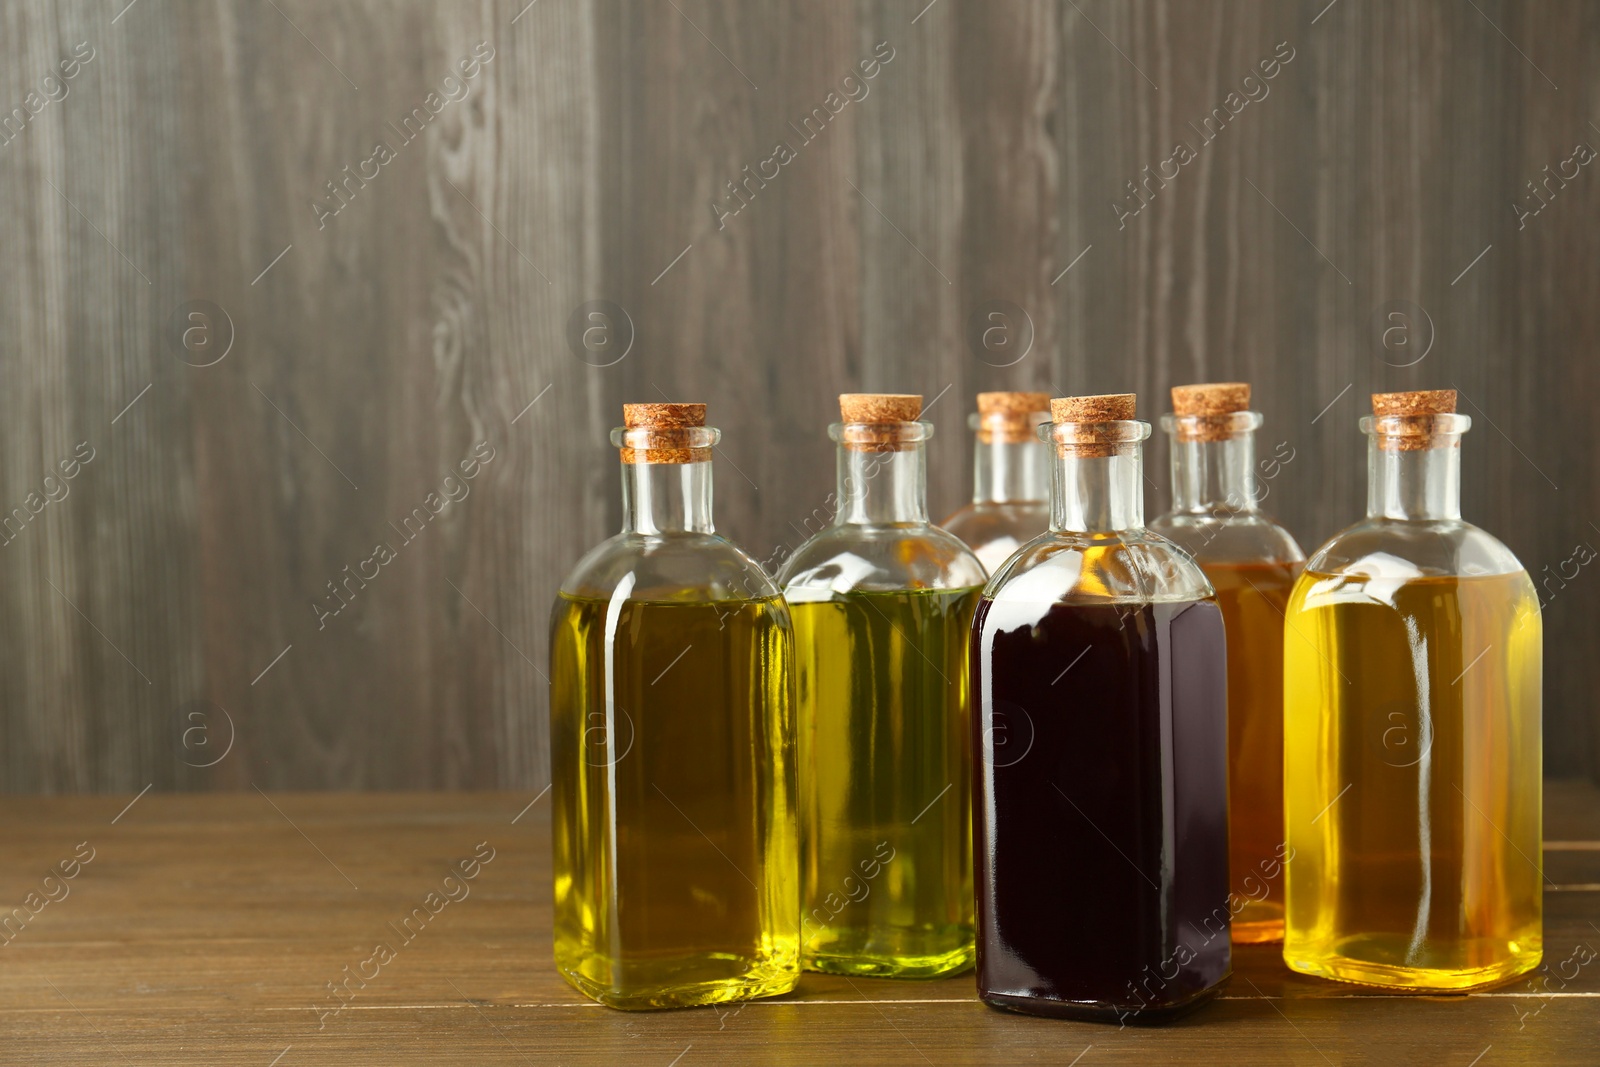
<point>1412,753</point>
<point>882,601</point>
<point>672,746</point>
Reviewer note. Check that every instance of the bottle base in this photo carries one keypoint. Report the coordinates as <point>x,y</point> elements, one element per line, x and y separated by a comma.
<point>770,982</point>
<point>941,966</point>
<point>1098,1012</point>
<point>1257,933</point>
<point>1399,978</point>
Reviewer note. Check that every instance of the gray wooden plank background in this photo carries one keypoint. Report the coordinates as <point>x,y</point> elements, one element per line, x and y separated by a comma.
<point>208,183</point>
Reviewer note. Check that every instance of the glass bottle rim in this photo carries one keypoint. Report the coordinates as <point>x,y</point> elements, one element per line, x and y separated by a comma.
<point>902,432</point>
<point>1231,423</point>
<point>977,420</point>
<point>646,438</point>
<point>1122,432</point>
<point>1441,425</point>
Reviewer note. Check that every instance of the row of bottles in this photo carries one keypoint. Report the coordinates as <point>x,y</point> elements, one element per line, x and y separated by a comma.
<point>1085,754</point>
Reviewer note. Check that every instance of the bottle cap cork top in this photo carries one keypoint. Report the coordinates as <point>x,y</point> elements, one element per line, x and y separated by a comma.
<point>663,416</point>
<point>1209,411</point>
<point>1110,407</point>
<point>1423,402</point>
<point>1080,428</point>
<point>1211,398</point>
<point>880,407</point>
<point>1414,421</point>
<point>1019,404</point>
<point>1009,418</point>
<point>665,433</point>
<point>876,422</point>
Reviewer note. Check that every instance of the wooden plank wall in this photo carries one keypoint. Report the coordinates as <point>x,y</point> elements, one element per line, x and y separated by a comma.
<point>163,605</point>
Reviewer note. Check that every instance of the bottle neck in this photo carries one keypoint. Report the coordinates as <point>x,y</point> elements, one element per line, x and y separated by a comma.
<point>1098,494</point>
<point>1010,472</point>
<point>1212,476</point>
<point>1417,483</point>
<point>666,497</point>
<point>883,487</point>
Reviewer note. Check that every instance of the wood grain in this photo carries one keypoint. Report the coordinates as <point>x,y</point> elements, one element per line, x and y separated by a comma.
<point>206,931</point>
<point>583,165</point>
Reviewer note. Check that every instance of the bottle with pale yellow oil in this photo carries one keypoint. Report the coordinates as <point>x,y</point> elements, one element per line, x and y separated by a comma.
<point>1010,477</point>
<point>672,746</point>
<point>1412,753</point>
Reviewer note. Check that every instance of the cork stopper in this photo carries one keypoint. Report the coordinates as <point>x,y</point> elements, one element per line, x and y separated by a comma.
<point>1406,420</point>
<point>1203,410</point>
<point>663,416</point>
<point>1110,407</point>
<point>1009,418</point>
<point>872,421</point>
<point>880,407</point>
<point>1211,398</point>
<point>1084,419</point>
<point>1422,402</point>
<point>667,432</point>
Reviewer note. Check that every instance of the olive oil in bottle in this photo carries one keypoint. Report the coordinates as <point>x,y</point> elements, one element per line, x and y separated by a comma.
<point>1101,806</point>
<point>882,601</point>
<point>1412,751</point>
<point>1010,480</point>
<point>671,725</point>
<point>1252,563</point>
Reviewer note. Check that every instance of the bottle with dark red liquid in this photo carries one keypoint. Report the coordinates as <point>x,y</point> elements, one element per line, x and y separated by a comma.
<point>1101,786</point>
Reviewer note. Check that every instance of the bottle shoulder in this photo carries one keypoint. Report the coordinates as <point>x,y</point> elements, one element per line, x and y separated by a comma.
<point>996,512</point>
<point>1454,602</point>
<point>1231,537</point>
<point>1414,548</point>
<point>677,566</point>
<point>1131,565</point>
<point>848,557</point>
<point>995,530</point>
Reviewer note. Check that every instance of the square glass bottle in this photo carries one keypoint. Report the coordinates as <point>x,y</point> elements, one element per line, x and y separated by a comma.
<point>1010,477</point>
<point>881,602</point>
<point>1252,562</point>
<point>1412,750</point>
<point>1100,795</point>
<point>672,746</point>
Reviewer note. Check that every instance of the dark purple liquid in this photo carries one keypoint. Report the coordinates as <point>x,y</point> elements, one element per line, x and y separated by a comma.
<point>1101,807</point>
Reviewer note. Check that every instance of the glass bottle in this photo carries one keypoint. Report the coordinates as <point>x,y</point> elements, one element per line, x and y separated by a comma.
<point>1100,801</point>
<point>882,601</point>
<point>1412,759</point>
<point>1010,478</point>
<point>671,745</point>
<point>1252,563</point>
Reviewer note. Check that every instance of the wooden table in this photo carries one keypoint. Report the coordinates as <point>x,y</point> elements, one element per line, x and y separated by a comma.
<point>205,929</point>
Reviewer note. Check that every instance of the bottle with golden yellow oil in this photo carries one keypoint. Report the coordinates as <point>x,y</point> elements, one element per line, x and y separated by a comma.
<point>882,601</point>
<point>1412,758</point>
<point>1010,477</point>
<point>672,746</point>
<point>1216,516</point>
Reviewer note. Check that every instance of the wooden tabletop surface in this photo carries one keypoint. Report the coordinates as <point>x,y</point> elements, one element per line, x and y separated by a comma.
<point>206,928</point>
